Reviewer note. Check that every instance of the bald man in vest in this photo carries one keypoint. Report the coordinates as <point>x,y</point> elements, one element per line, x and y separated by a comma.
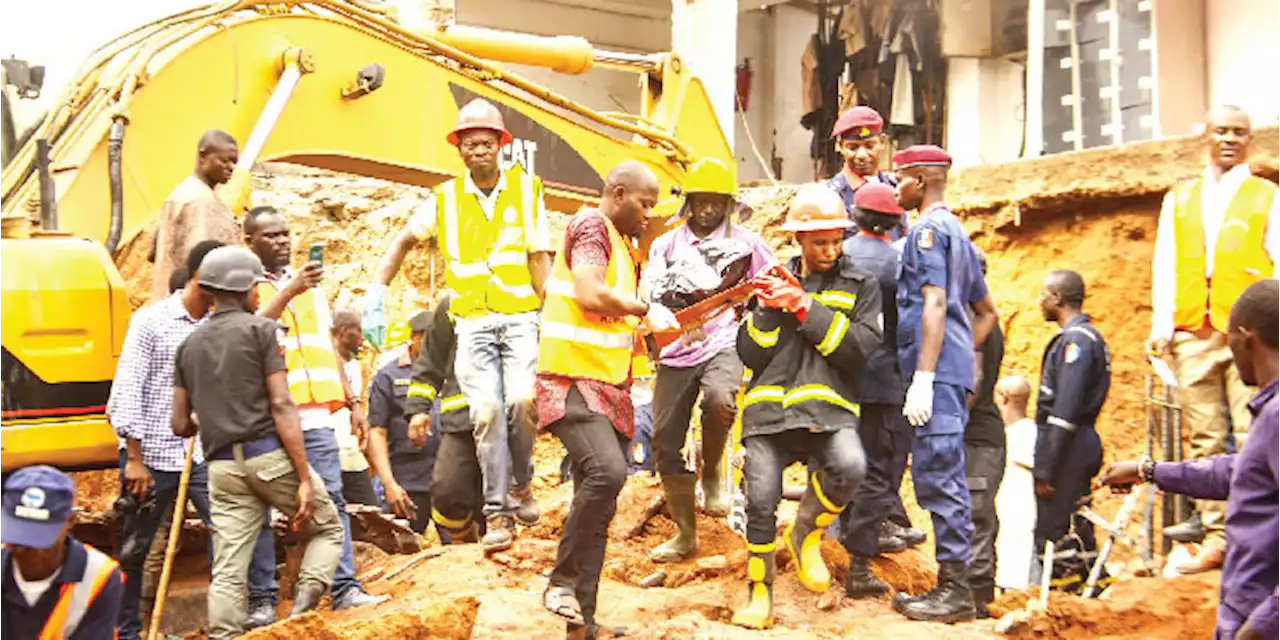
<point>1218,234</point>
<point>490,226</point>
<point>193,211</point>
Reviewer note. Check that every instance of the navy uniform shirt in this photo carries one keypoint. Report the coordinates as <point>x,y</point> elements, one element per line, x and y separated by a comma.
<point>1075,376</point>
<point>20,620</point>
<point>937,252</point>
<point>411,466</point>
<point>840,184</point>
<point>882,382</point>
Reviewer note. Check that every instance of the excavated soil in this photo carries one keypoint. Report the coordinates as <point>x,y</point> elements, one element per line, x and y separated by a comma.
<point>1094,212</point>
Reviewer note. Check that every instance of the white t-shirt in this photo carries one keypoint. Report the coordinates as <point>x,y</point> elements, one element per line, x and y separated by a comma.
<point>33,589</point>
<point>340,420</point>
<point>1016,507</point>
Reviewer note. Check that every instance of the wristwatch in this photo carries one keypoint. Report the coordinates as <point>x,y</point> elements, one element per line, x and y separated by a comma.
<point>1147,469</point>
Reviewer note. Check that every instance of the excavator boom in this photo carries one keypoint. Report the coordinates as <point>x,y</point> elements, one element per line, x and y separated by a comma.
<point>333,84</point>
<point>374,98</point>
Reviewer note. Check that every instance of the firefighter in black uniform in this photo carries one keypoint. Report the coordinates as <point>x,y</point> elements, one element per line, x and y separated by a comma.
<point>886,435</point>
<point>1074,378</point>
<point>455,482</point>
<point>806,343</point>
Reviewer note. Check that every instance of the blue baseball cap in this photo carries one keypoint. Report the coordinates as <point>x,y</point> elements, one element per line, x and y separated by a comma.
<point>37,504</point>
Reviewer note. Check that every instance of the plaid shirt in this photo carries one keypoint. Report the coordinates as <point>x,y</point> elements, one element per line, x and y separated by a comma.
<point>141,403</point>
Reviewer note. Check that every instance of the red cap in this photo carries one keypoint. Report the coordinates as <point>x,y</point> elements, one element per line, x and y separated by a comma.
<point>921,155</point>
<point>858,123</point>
<point>877,197</point>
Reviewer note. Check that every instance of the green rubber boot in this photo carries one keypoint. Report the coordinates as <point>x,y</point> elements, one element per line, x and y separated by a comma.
<point>679,493</point>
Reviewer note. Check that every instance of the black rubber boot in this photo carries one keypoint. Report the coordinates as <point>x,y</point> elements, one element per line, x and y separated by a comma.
<point>951,602</point>
<point>913,537</point>
<point>761,571</point>
<point>803,536</point>
<point>861,582</point>
<point>983,595</point>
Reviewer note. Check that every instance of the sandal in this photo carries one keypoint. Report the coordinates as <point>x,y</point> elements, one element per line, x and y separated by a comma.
<point>562,602</point>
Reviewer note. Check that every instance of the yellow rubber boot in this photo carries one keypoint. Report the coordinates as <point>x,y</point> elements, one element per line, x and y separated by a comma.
<point>459,531</point>
<point>804,537</point>
<point>761,570</point>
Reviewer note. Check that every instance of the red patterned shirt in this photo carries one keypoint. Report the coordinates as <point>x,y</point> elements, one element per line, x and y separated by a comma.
<point>586,242</point>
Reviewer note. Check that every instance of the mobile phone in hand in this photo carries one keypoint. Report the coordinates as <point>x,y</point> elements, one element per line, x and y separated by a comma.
<point>316,254</point>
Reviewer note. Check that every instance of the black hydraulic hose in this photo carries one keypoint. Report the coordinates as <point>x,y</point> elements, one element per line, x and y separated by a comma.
<point>115,149</point>
<point>48,198</point>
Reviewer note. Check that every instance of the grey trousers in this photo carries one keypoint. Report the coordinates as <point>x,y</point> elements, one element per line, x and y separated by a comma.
<point>240,493</point>
<point>984,470</point>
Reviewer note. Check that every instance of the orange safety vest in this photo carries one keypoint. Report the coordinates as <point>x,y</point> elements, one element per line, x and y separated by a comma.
<point>1239,260</point>
<point>581,344</point>
<point>308,349</point>
<point>76,597</point>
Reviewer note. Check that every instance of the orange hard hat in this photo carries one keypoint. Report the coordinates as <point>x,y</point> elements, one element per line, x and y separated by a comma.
<point>816,208</point>
<point>480,114</point>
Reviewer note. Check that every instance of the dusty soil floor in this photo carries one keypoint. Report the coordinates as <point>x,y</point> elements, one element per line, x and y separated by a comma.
<point>1094,212</point>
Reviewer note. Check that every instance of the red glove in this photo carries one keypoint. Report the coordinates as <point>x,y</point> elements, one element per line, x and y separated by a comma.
<point>785,294</point>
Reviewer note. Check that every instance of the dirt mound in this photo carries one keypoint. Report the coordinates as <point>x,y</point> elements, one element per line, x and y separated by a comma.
<point>1134,608</point>
<point>440,620</point>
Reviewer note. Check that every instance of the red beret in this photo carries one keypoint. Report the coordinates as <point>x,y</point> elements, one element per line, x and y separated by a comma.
<point>921,155</point>
<point>877,197</point>
<point>858,123</point>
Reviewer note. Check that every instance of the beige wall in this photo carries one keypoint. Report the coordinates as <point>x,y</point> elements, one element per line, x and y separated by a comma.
<point>985,110</point>
<point>1242,39</point>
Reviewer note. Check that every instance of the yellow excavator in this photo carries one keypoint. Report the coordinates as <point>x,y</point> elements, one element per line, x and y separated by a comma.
<point>343,85</point>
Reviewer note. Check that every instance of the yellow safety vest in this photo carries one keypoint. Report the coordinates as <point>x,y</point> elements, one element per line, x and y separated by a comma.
<point>75,598</point>
<point>487,261</point>
<point>582,344</point>
<point>1239,260</point>
<point>308,349</point>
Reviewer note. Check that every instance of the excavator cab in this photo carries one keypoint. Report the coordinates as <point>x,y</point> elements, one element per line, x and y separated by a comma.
<point>66,313</point>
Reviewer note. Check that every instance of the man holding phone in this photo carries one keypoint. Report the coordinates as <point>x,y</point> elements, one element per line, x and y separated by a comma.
<point>316,379</point>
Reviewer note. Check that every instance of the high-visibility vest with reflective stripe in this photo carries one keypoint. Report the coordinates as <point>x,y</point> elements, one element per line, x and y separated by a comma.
<point>1239,260</point>
<point>582,344</point>
<point>308,348</point>
<point>487,261</point>
<point>76,597</point>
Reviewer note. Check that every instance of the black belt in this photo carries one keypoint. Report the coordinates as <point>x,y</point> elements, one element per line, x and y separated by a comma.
<point>252,448</point>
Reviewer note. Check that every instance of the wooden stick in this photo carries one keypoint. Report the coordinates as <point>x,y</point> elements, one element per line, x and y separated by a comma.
<point>1046,575</point>
<point>175,529</point>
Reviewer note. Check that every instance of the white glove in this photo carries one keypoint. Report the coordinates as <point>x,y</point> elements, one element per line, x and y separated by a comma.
<point>919,405</point>
<point>659,319</point>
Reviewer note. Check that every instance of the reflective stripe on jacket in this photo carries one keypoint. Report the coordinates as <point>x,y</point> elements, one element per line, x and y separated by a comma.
<point>809,375</point>
<point>581,344</point>
<point>487,261</point>
<point>1239,260</point>
<point>308,348</point>
<point>433,377</point>
<point>76,597</point>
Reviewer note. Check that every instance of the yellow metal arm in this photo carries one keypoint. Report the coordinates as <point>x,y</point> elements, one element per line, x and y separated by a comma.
<point>220,67</point>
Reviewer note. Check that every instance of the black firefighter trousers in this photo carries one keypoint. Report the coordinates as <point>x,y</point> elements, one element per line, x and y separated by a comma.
<point>835,455</point>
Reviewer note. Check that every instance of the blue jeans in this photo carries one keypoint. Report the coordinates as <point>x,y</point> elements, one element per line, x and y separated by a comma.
<point>143,528</point>
<point>496,367</point>
<point>323,456</point>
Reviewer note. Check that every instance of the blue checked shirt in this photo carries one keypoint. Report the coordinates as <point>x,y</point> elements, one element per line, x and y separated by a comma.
<point>141,402</point>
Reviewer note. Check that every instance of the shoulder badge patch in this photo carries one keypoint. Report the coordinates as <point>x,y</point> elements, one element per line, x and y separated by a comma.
<point>926,238</point>
<point>1072,353</point>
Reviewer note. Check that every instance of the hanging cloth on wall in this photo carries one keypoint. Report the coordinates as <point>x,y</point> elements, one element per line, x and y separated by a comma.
<point>810,77</point>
